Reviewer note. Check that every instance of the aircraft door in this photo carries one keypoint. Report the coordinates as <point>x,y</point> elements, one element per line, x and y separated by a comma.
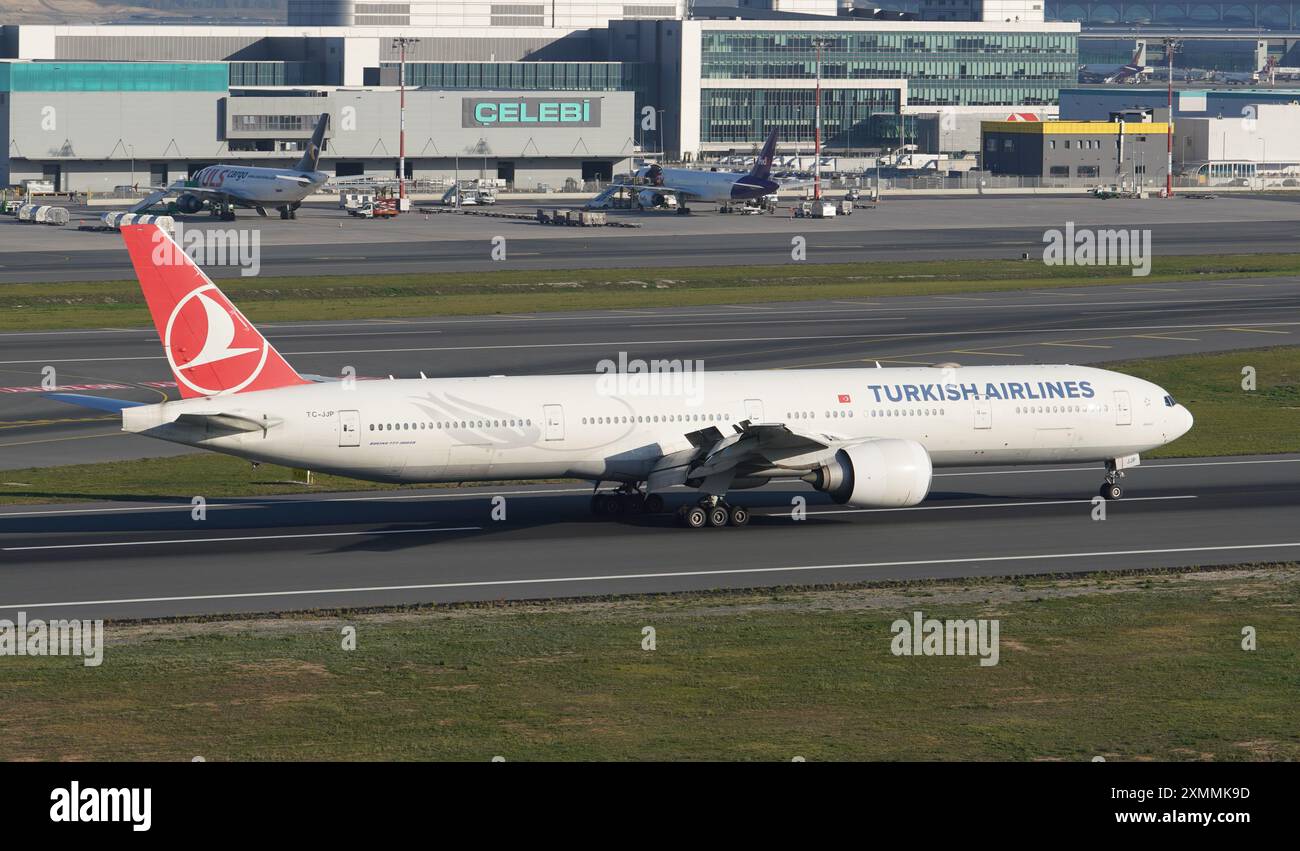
<point>1123,408</point>
<point>754,410</point>
<point>554,421</point>
<point>349,428</point>
<point>983,413</point>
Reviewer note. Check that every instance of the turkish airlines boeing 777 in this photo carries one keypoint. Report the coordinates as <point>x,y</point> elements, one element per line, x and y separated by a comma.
<point>867,437</point>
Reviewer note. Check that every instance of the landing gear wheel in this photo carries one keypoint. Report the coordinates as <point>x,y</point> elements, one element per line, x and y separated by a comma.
<point>1111,491</point>
<point>631,503</point>
<point>285,214</point>
<point>693,517</point>
<point>739,516</point>
<point>718,517</point>
<point>654,504</point>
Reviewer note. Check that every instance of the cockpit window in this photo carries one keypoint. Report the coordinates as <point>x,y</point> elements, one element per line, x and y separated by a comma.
<point>1169,402</point>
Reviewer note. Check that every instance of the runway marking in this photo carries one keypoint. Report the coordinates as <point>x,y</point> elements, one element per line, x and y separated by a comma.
<point>701,341</point>
<point>616,577</point>
<point>163,506</point>
<point>818,320</point>
<point>668,312</point>
<point>1030,503</point>
<point>1147,467</point>
<point>1257,331</point>
<point>985,354</point>
<point>243,538</point>
<point>1166,338</point>
<point>58,439</point>
<point>1077,345</point>
<point>462,494</point>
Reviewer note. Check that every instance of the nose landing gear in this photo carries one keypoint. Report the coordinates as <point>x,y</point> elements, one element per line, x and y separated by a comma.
<point>1110,489</point>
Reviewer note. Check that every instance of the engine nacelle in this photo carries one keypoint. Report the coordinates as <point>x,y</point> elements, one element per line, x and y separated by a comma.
<point>650,198</point>
<point>885,473</point>
<point>189,203</point>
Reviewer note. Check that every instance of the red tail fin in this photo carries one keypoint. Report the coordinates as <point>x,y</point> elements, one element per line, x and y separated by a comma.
<point>213,350</point>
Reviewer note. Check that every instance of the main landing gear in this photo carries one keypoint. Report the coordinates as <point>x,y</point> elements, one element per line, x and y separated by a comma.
<point>629,500</point>
<point>288,212</point>
<point>1110,488</point>
<point>714,512</point>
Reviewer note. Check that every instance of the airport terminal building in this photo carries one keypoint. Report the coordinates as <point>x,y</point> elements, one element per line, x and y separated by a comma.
<point>537,95</point>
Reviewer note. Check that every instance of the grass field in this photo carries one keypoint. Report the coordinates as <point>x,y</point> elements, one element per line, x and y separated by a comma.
<point>1126,668</point>
<point>118,304</point>
<point>1229,421</point>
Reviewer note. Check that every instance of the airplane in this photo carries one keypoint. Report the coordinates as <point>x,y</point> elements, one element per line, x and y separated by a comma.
<point>869,438</point>
<point>1136,69</point>
<point>224,187</point>
<point>656,185</point>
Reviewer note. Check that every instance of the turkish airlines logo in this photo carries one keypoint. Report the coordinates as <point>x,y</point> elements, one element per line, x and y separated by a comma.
<point>226,337</point>
<point>845,399</point>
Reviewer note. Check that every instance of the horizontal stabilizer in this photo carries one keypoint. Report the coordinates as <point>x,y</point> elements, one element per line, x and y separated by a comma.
<point>95,403</point>
<point>225,422</point>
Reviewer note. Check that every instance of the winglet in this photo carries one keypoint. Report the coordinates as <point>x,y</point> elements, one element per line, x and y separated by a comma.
<point>212,349</point>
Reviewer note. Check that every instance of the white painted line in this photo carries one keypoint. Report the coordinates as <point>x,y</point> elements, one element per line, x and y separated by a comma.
<point>1093,470</point>
<point>1026,503</point>
<point>616,577</point>
<point>242,538</point>
<point>465,494</point>
<point>163,506</point>
<point>876,337</point>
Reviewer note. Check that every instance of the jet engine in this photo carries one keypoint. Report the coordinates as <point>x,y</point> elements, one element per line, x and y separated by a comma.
<point>885,473</point>
<point>189,203</point>
<point>652,199</point>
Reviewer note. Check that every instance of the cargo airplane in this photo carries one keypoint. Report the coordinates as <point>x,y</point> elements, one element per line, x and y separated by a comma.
<point>655,185</point>
<point>867,437</point>
<point>224,187</point>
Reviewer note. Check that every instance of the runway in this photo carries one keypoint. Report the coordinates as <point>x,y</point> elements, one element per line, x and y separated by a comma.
<point>119,560</point>
<point>325,241</point>
<point>1077,325</point>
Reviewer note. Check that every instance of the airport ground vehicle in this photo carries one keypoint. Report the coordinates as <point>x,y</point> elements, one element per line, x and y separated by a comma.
<point>867,437</point>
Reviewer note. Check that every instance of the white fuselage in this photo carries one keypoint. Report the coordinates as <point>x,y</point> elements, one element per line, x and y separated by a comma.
<point>262,187</point>
<point>707,186</point>
<point>584,426</point>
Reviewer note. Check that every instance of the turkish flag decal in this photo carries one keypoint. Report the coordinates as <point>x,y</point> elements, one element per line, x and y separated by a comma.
<point>844,399</point>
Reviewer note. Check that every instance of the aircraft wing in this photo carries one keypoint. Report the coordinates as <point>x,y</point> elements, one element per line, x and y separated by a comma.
<point>761,445</point>
<point>672,190</point>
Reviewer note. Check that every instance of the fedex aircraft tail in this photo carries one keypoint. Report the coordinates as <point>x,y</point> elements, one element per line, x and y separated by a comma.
<point>763,165</point>
<point>212,349</point>
<point>312,155</point>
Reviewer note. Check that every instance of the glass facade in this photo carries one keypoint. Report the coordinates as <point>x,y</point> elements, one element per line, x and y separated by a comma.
<point>942,68</point>
<point>276,73</point>
<point>527,76</point>
<point>1261,14</point>
<point>850,117</point>
<point>638,77</point>
<point>112,77</point>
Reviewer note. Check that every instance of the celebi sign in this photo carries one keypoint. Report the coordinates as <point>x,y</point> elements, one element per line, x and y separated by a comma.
<point>533,112</point>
